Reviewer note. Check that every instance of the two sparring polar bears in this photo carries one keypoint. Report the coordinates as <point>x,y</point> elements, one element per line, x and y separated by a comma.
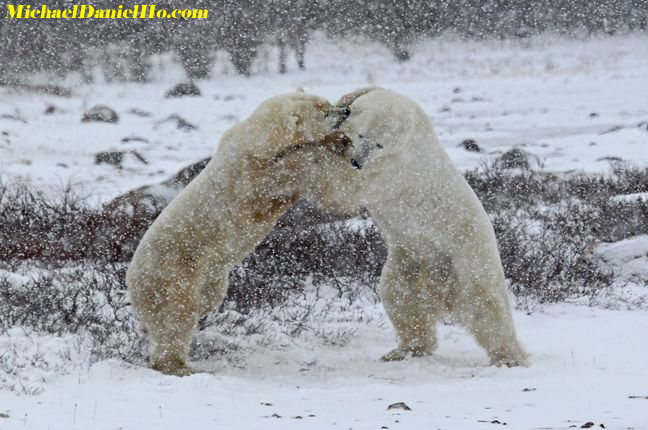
<point>442,254</point>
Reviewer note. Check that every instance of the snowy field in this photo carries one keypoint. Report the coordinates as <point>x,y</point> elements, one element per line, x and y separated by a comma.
<point>586,365</point>
<point>572,105</point>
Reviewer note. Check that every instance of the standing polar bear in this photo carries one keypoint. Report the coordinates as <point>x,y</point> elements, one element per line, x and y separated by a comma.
<point>284,151</point>
<point>442,253</point>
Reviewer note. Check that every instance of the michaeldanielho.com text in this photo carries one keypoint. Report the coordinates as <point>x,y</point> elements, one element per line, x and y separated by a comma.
<point>88,11</point>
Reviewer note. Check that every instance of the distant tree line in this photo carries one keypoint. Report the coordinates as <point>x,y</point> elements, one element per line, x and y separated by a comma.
<point>239,27</point>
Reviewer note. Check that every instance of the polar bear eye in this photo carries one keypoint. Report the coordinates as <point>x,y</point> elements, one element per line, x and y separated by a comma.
<point>360,136</point>
<point>379,146</point>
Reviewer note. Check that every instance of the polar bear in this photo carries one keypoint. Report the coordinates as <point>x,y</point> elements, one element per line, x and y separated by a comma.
<point>284,151</point>
<point>442,252</point>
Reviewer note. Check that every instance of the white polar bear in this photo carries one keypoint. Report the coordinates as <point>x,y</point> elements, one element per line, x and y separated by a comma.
<point>284,151</point>
<point>442,251</point>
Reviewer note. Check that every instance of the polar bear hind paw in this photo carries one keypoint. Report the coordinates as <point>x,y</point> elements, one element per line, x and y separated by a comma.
<point>400,354</point>
<point>514,360</point>
<point>174,368</point>
<point>394,355</point>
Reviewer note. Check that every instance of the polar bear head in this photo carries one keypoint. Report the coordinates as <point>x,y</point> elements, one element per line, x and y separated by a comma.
<point>290,119</point>
<point>378,125</point>
<point>285,150</point>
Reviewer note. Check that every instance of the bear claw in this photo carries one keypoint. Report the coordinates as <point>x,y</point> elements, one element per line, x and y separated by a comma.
<point>395,355</point>
<point>179,371</point>
<point>399,354</point>
<point>521,360</point>
<point>174,369</point>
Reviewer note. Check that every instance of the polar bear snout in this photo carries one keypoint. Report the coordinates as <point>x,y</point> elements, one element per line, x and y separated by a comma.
<point>363,150</point>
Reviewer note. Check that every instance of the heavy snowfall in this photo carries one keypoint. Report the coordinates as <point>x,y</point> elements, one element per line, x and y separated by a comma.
<point>542,109</point>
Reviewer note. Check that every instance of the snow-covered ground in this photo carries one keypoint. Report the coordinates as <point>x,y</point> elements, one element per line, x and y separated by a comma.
<point>587,364</point>
<point>573,105</point>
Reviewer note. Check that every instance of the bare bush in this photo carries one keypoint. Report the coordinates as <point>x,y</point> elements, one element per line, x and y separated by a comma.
<point>82,300</point>
<point>546,226</point>
<point>86,309</point>
<point>61,227</point>
<point>307,244</point>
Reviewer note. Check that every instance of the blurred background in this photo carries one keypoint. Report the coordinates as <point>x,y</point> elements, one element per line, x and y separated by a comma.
<point>122,48</point>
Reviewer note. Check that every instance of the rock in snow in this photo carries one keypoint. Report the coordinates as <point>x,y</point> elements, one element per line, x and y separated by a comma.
<point>177,121</point>
<point>117,158</point>
<point>470,145</point>
<point>183,89</point>
<point>100,113</point>
<point>399,405</point>
<point>152,198</point>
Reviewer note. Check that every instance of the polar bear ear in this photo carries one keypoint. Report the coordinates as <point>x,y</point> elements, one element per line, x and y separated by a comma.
<point>299,90</point>
<point>348,99</point>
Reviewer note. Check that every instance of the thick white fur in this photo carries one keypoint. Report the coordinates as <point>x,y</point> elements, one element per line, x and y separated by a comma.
<point>179,271</point>
<point>443,255</point>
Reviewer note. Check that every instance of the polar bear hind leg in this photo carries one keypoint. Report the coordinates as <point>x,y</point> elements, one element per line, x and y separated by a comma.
<point>172,328</point>
<point>171,336</point>
<point>492,326</point>
<point>489,319</point>
<point>400,292</point>
<point>212,288</point>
